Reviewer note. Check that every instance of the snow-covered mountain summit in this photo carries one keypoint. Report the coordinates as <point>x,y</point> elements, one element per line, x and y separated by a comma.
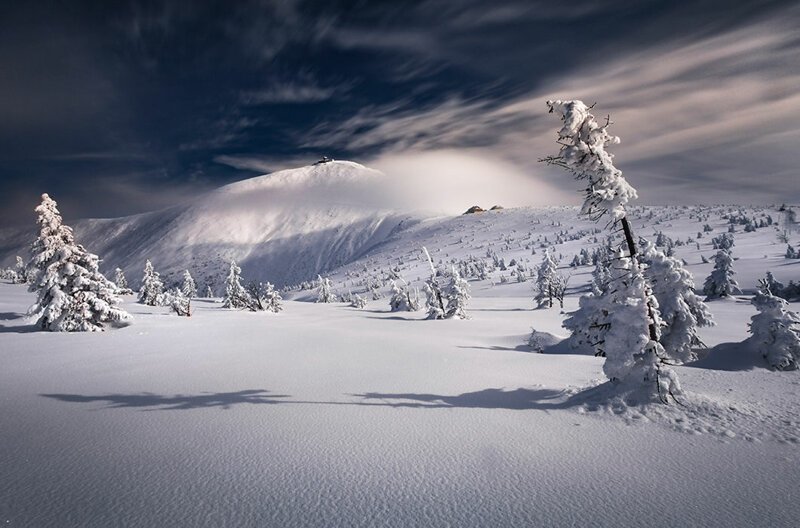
<point>283,227</point>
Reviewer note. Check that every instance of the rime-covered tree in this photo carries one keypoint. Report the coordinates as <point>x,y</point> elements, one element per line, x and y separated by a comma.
<point>457,295</point>
<point>209,291</point>
<point>770,285</point>
<point>632,323</point>
<point>600,274</point>
<point>631,354</point>
<point>325,290</point>
<point>235,294</point>
<point>71,293</point>
<point>357,301</point>
<point>121,282</point>
<point>189,288</point>
<point>403,298</point>
<point>720,283</point>
<point>178,301</point>
<point>681,309</point>
<point>21,272</point>
<point>434,298</point>
<point>545,279</point>
<point>775,331</point>
<point>264,297</point>
<point>152,287</point>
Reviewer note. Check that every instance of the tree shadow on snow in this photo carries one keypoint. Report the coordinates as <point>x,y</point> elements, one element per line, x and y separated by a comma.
<point>730,357</point>
<point>592,398</point>
<point>517,399</point>
<point>16,329</point>
<point>156,402</point>
<point>519,348</point>
<point>501,309</point>
<point>393,318</point>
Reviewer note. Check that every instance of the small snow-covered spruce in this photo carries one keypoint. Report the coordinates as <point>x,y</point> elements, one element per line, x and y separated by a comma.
<point>434,303</point>
<point>21,272</point>
<point>357,301</point>
<point>769,284</point>
<point>546,277</point>
<point>235,294</point>
<point>720,283</point>
<point>152,286</point>
<point>178,301</point>
<point>325,290</point>
<point>188,287</point>
<point>457,294</point>
<point>681,309</point>
<point>775,331</point>
<point>72,294</point>
<point>264,297</point>
<point>122,283</point>
<point>403,298</point>
<point>209,292</point>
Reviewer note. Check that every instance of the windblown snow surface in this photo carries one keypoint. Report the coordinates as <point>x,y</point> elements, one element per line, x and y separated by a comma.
<point>326,415</point>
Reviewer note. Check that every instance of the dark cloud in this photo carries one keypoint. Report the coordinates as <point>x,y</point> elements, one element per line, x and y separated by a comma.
<point>151,101</point>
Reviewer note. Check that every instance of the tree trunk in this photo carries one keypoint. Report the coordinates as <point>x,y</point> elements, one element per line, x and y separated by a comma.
<point>626,228</point>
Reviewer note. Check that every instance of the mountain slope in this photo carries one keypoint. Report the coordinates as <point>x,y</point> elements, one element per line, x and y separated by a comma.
<point>283,227</point>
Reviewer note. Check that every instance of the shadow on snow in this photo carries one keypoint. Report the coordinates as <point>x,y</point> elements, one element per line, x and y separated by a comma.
<point>156,402</point>
<point>516,399</point>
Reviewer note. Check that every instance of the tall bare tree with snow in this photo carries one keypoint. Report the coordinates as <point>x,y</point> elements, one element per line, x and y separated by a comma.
<point>632,322</point>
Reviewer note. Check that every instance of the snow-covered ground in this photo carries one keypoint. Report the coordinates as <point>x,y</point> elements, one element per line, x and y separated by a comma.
<point>325,415</point>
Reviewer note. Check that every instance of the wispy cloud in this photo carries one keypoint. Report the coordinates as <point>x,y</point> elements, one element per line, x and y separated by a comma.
<point>264,164</point>
<point>302,88</point>
<point>726,107</point>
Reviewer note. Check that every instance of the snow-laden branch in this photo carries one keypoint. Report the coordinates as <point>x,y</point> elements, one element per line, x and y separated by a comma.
<point>583,152</point>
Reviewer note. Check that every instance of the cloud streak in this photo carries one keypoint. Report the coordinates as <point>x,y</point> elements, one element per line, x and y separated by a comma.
<point>714,111</point>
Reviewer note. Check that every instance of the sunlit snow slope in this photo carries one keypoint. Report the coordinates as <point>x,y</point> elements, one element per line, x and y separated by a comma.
<point>284,227</point>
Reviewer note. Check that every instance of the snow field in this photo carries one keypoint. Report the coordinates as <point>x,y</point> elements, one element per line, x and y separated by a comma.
<point>324,415</point>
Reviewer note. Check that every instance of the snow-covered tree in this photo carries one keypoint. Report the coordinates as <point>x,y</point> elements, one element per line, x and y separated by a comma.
<point>235,294</point>
<point>631,326</point>
<point>264,297</point>
<point>152,286</point>
<point>403,298</point>
<point>770,285</point>
<point>21,272</point>
<point>357,301</point>
<point>720,283</point>
<point>681,309</point>
<point>121,282</point>
<point>583,152</point>
<point>776,331</point>
<point>71,293</point>
<point>600,275</point>
<point>325,290</point>
<point>434,298</point>
<point>177,300</point>
<point>189,288</point>
<point>209,291</point>
<point>631,354</point>
<point>457,294</point>
<point>545,280</point>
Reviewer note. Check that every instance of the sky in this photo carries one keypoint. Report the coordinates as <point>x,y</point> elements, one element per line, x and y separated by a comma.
<point>118,108</point>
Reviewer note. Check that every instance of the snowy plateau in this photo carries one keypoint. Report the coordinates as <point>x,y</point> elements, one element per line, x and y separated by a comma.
<point>329,415</point>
